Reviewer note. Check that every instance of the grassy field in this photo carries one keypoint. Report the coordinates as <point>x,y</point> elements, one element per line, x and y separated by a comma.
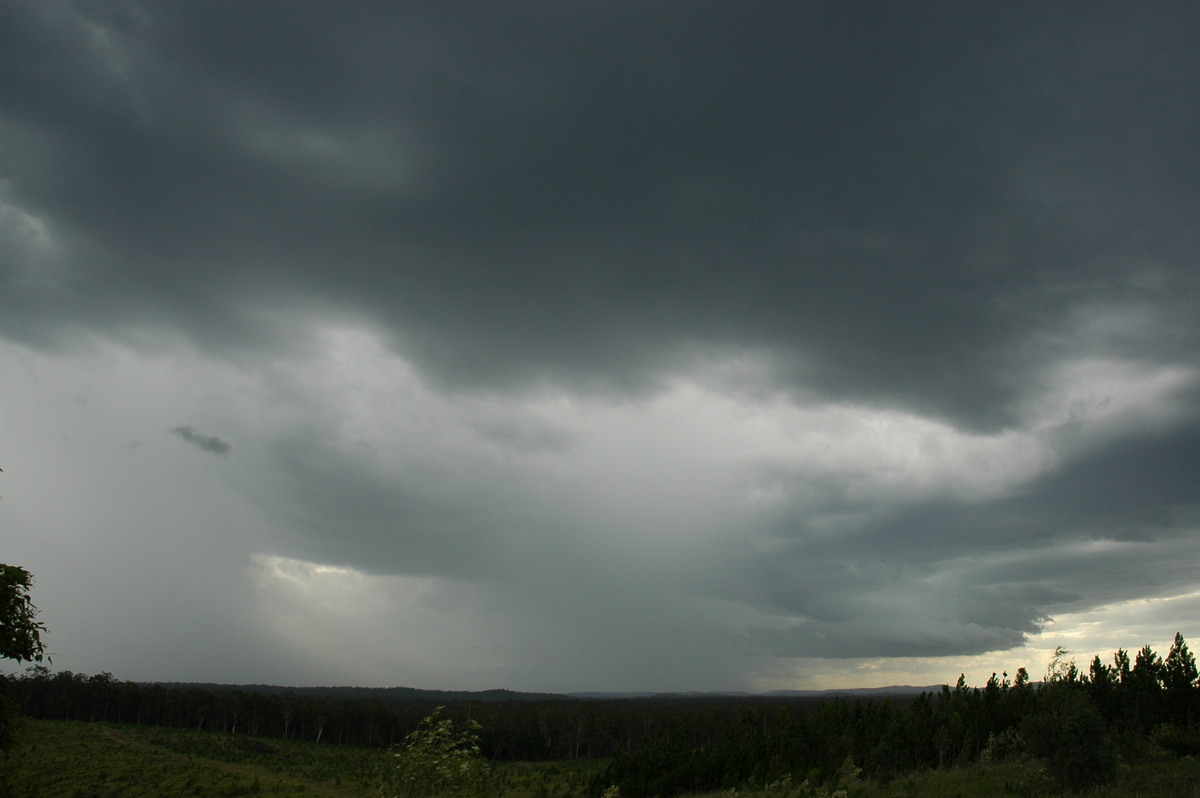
<point>1173,778</point>
<point>84,760</point>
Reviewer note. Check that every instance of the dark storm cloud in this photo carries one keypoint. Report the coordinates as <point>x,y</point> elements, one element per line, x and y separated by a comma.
<point>927,211</point>
<point>945,577</point>
<point>889,637</point>
<point>393,523</point>
<point>903,205</point>
<point>205,443</point>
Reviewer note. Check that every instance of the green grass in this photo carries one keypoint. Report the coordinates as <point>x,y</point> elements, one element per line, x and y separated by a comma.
<point>84,760</point>
<point>1165,778</point>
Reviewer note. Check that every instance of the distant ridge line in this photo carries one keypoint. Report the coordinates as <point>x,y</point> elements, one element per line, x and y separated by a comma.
<point>387,693</point>
<point>501,694</point>
<point>859,692</point>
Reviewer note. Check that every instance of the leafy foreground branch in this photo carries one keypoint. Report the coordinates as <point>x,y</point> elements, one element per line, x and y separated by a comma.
<point>20,630</point>
<point>20,637</point>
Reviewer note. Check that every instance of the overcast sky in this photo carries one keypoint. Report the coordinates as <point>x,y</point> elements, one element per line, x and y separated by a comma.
<point>600,345</point>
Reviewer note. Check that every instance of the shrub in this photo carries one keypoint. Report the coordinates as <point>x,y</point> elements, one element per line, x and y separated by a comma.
<point>1176,740</point>
<point>441,755</point>
<point>1003,746</point>
<point>1070,737</point>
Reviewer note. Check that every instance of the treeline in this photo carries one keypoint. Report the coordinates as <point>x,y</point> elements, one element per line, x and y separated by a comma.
<point>1077,724</point>
<point>329,715</point>
<point>514,726</point>
<point>1077,721</point>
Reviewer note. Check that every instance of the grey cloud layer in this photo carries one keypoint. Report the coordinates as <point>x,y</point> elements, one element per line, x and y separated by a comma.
<point>908,209</point>
<point>928,211</point>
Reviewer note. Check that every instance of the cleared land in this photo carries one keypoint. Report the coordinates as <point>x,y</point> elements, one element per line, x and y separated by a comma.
<point>92,760</point>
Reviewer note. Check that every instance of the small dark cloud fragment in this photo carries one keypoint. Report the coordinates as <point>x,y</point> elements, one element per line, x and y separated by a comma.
<point>207,443</point>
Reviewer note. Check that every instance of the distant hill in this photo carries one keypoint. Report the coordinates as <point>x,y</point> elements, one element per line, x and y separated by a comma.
<point>861,692</point>
<point>414,694</point>
<point>857,692</point>
<point>392,694</point>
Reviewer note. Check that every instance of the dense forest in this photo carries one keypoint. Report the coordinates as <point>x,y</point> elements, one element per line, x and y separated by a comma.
<point>1079,722</point>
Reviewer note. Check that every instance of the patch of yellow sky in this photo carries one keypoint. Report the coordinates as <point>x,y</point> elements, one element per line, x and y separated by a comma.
<point>1099,631</point>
